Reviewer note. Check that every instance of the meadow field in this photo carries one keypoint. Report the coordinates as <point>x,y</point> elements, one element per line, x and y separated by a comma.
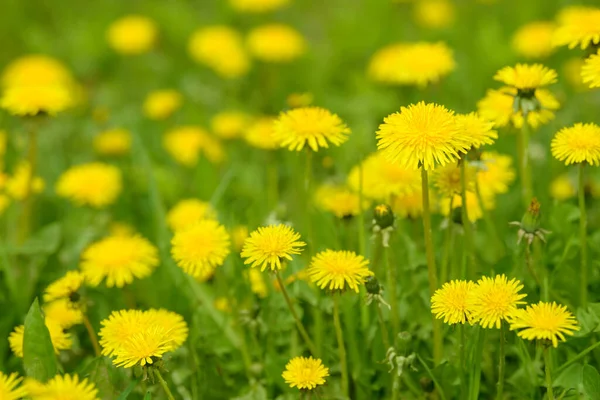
<point>299,199</point>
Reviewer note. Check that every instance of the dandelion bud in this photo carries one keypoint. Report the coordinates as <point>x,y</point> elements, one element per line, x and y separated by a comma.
<point>531,220</point>
<point>383,216</point>
<point>373,286</point>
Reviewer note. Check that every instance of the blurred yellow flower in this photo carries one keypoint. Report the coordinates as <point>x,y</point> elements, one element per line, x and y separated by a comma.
<point>276,43</point>
<point>478,130</point>
<point>64,312</point>
<point>578,25</point>
<point>113,142</point>
<point>4,203</point>
<point>220,48</point>
<point>239,234</point>
<point>222,304</point>
<point>34,100</point>
<point>526,77</point>
<point>296,100</point>
<point>450,302</point>
<point>305,373</point>
<point>3,142</point>
<point>189,211</point>
<point>562,188</point>
<point>339,200</point>
<point>36,70</point>
<point>434,14</point>
<point>95,184</point>
<point>534,39</point>
<point>474,207</point>
<point>419,63</point>
<point>261,134</point>
<point>132,34</point>
<point>590,72</point>
<point>408,205</point>
<point>61,340</point>
<point>9,387</point>
<point>494,300</point>
<point>230,124</point>
<point>119,228</point>
<point>544,321</point>
<point>258,285</point>
<point>339,270</point>
<point>186,143</point>
<point>446,179</point>
<point>571,70</point>
<point>495,174</point>
<point>577,144</point>
<point>65,287</point>
<point>257,6</point>
<point>312,126</point>
<point>161,104</point>
<point>62,387</point>
<point>17,185</point>
<point>270,246</point>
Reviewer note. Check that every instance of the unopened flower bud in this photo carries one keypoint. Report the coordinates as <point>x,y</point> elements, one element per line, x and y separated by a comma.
<point>383,216</point>
<point>531,220</point>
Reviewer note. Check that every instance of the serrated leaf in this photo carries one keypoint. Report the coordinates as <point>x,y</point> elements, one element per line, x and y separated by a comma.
<point>591,382</point>
<point>39,359</point>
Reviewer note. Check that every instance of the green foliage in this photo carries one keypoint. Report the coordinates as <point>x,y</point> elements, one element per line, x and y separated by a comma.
<point>39,360</point>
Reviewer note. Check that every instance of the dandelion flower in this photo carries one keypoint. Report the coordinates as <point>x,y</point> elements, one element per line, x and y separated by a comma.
<point>276,43</point>
<point>133,34</point>
<point>590,72</point>
<point>446,179</point>
<point>9,387</point>
<point>257,6</point>
<point>421,135</point>
<point>64,313</point>
<point>65,287</point>
<point>239,234</point>
<point>578,25</point>
<point>62,387</point>
<point>186,143</point>
<point>17,185</point>
<point>261,134</point>
<point>577,144</point>
<point>221,49</point>
<point>474,207</point>
<point>338,270</point>
<point>222,304</point>
<point>113,142</point>
<point>450,302</point>
<point>188,212</point>
<point>296,100</point>
<point>119,259</point>
<point>33,100</point>
<point>312,126</point>
<point>478,130</point>
<point>526,77</point>
<point>36,70</point>
<point>229,124</point>
<point>161,104</point>
<point>258,285</point>
<point>562,188</point>
<point>200,247</point>
<point>434,14</point>
<point>411,64</point>
<point>339,200</point>
<point>305,373</point>
<point>495,174</point>
<point>494,300</point>
<point>95,184</point>
<point>571,70</point>
<point>268,246</point>
<point>408,205</point>
<point>59,338</point>
<point>544,321</point>
<point>534,40</point>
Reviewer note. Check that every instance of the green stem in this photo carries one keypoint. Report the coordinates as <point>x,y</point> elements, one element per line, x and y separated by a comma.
<point>391,278</point>
<point>299,325</point>
<point>501,362</point>
<point>489,223</point>
<point>577,357</point>
<point>385,337</point>
<point>475,364</point>
<point>583,290</point>
<point>92,335</point>
<point>163,384</point>
<point>273,183</point>
<point>461,359</point>
<point>548,367</point>
<point>431,269</point>
<point>341,346</point>
<point>447,244</point>
<point>468,254</point>
<point>361,216</point>
<point>526,189</point>
<point>25,221</point>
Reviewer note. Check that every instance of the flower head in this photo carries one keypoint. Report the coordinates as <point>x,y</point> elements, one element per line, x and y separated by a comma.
<point>257,6</point>
<point>478,130</point>
<point>17,185</point>
<point>590,72</point>
<point>474,206</point>
<point>534,40</point>
<point>276,43</point>
<point>33,100</point>
<point>578,25</point>
<point>64,312</point>
<point>186,143</point>
<point>312,126</point>
<point>200,247</point>
<point>62,387</point>
<point>577,144</point>
<point>419,63</point>
<point>161,104</point>
<point>65,287</point>
<point>494,174</point>
<point>36,70</point>
<point>60,339</point>
<point>447,179</point>
<point>408,205</point>
<point>113,142</point>
<point>544,321</point>
<point>119,259</point>
<point>450,302</point>
<point>493,300</point>
<point>526,77</point>
<point>133,34</point>
<point>338,270</point>
<point>96,184</point>
<point>221,49</point>
<point>268,246</point>
<point>434,14</point>
<point>261,134</point>
<point>339,200</point>
<point>257,283</point>
<point>188,212</point>
<point>9,387</point>
<point>562,188</point>
<point>422,135</point>
<point>305,373</point>
<point>230,124</point>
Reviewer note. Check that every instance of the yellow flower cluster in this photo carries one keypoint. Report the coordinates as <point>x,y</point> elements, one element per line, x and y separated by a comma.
<point>132,34</point>
<point>221,49</point>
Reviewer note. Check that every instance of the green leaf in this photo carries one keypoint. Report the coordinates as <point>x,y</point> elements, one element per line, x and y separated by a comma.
<point>591,382</point>
<point>128,390</point>
<point>570,378</point>
<point>39,359</point>
<point>44,241</point>
<point>100,372</point>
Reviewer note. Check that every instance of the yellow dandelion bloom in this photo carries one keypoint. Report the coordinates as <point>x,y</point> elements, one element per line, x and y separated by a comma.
<point>434,14</point>
<point>571,70</point>
<point>36,70</point>
<point>305,373</point>
<point>411,64</point>
<point>222,304</point>
<point>495,174</point>
<point>261,134</point>
<point>230,124</point>
<point>544,321</point>
<point>65,287</point>
<point>200,247</point>
<point>239,234</point>
<point>295,100</point>
<point>17,185</point>
<point>526,77</point>
<point>577,144</point>
<point>60,339</point>
<point>220,48</point>
<point>339,200</point>
<point>33,100</point>
<point>118,259</point>
<point>95,184</point>
<point>64,313</point>
<point>257,6</point>
<point>590,72</point>
<point>132,34</point>
<point>494,300</point>
<point>474,207</point>
<point>450,302</point>
<point>188,212</point>
<point>534,39</point>
<point>62,387</point>
<point>422,135</point>
<point>9,387</point>
<point>408,205</point>
<point>186,143</point>
<point>446,179</point>
<point>562,188</point>
<point>382,179</point>
<point>478,130</point>
<point>113,142</point>
<point>338,270</point>
<point>119,228</point>
<point>258,286</point>
<point>312,126</point>
<point>268,247</point>
<point>161,104</point>
<point>578,25</point>
<point>276,43</point>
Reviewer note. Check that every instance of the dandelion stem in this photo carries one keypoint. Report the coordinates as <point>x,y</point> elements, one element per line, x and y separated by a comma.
<point>385,337</point>
<point>92,335</point>
<point>273,182</point>
<point>468,255</point>
<point>27,211</point>
<point>583,237</point>
<point>361,216</point>
<point>447,244</point>
<point>489,222</point>
<point>163,384</point>
<point>548,367</point>
<point>432,273</point>
<point>501,362</point>
<point>523,148</point>
<point>461,358</point>
<point>299,325</point>
<point>341,346</point>
<point>392,278</point>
